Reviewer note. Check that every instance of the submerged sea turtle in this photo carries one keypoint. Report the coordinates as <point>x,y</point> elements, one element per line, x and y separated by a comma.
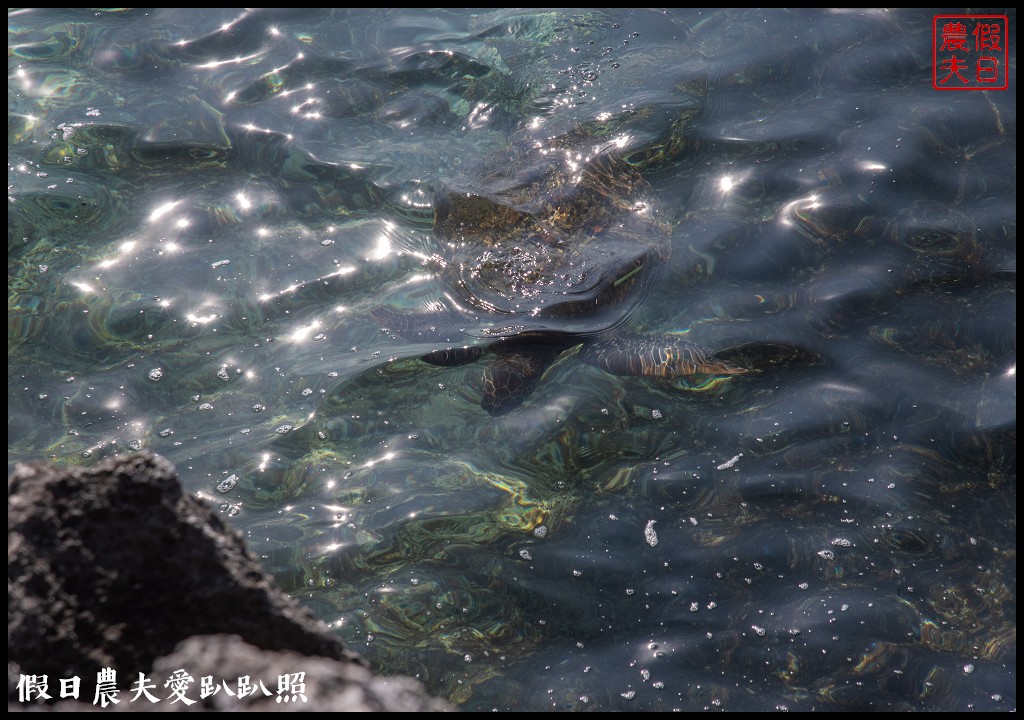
<point>550,248</point>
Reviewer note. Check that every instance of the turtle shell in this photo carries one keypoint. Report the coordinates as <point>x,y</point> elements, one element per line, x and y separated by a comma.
<point>572,236</point>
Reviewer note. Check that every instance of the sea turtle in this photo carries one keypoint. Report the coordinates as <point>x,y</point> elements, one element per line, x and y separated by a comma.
<point>549,248</point>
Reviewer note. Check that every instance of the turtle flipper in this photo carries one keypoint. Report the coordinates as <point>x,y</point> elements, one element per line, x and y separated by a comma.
<point>453,357</point>
<point>658,356</point>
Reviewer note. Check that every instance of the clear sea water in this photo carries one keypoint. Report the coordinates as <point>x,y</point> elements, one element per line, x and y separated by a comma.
<point>208,210</point>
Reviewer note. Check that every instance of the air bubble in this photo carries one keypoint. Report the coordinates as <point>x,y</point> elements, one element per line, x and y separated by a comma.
<point>227,484</point>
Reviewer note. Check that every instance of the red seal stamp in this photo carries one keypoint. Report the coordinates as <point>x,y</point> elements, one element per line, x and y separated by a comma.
<point>969,52</point>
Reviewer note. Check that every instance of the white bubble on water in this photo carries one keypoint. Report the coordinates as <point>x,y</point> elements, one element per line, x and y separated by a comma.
<point>650,536</point>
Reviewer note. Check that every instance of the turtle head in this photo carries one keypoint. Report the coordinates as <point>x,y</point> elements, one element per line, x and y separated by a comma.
<point>513,375</point>
<point>508,381</point>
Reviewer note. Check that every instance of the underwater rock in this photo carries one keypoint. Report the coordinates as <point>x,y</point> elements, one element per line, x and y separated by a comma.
<point>114,566</point>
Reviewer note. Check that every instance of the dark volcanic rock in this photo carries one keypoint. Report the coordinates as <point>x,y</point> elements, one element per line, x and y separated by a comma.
<point>113,566</point>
